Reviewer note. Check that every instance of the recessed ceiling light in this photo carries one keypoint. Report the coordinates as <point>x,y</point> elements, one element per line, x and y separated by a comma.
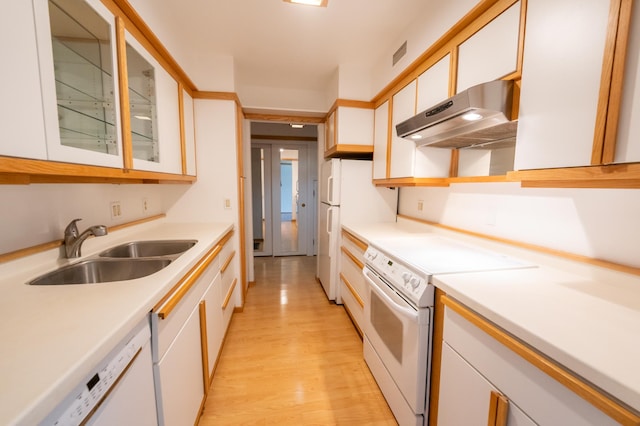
<point>297,126</point>
<point>320,3</point>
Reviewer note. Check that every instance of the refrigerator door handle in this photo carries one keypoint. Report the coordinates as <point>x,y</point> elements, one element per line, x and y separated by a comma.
<point>329,216</point>
<point>330,189</point>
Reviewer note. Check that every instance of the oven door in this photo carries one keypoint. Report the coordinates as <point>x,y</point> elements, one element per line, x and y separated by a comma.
<point>401,337</point>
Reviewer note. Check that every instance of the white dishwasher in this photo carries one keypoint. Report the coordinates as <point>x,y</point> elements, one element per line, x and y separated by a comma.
<point>119,390</point>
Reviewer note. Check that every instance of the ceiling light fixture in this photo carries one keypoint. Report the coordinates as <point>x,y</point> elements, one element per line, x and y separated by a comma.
<point>297,126</point>
<point>319,3</point>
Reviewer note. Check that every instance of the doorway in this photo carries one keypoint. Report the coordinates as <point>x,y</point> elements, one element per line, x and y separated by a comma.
<point>283,199</point>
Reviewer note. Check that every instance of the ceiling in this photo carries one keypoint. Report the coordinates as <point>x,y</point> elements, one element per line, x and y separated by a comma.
<point>282,45</point>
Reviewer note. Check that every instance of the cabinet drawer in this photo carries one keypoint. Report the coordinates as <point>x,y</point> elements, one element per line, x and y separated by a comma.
<point>165,330</point>
<point>352,272</point>
<point>541,397</point>
<point>354,309</point>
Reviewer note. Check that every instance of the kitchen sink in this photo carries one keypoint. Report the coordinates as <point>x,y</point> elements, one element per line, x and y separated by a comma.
<point>136,249</point>
<point>100,270</point>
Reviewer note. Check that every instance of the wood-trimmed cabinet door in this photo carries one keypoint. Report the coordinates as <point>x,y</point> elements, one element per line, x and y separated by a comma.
<point>467,398</point>
<point>380,140</point>
<point>79,79</point>
<point>23,131</point>
<point>403,151</point>
<point>154,112</point>
<point>561,77</point>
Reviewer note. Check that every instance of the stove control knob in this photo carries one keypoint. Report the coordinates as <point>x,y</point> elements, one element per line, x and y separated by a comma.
<point>372,254</point>
<point>406,277</point>
<point>415,282</point>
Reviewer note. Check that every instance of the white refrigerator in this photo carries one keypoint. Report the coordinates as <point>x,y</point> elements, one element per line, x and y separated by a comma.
<point>347,195</point>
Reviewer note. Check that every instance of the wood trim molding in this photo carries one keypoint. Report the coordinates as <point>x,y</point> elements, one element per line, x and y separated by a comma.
<point>604,403</point>
<point>533,247</point>
<point>353,321</point>
<point>44,171</point>
<point>284,138</point>
<point>349,103</point>
<point>605,176</point>
<point>175,295</point>
<point>280,118</point>
<point>352,257</point>
<point>183,137</point>
<point>606,82</point>
<point>399,182</point>
<point>28,251</point>
<point>355,240</point>
<point>352,290</point>
<point>217,96</point>
<point>617,81</point>
<point>242,243</point>
<point>204,345</point>
<point>123,86</point>
<point>227,262</point>
<point>123,8</point>
<point>348,149</point>
<point>436,358</point>
<point>227,298</point>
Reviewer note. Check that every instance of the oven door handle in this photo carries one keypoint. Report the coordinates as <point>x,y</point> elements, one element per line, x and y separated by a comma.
<point>406,312</point>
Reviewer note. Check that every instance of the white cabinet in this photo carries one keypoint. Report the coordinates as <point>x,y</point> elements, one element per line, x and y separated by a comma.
<point>23,133</point>
<point>628,140</point>
<point>352,283</point>
<point>228,282</point>
<point>433,84</point>
<point>380,141</point>
<point>180,375</point>
<point>403,150</point>
<point>466,396</point>
<point>349,129</point>
<point>492,52</point>
<point>563,57</point>
<point>154,112</point>
<point>189,133</point>
<point>77,58</point>
<point>474,364</point>
<point>215,330</point>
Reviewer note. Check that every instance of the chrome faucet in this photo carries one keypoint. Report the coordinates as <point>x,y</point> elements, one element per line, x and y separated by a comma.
<point>73,239</point>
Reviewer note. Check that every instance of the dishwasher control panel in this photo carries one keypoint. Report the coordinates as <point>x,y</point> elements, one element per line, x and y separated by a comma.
<point>87,396</point>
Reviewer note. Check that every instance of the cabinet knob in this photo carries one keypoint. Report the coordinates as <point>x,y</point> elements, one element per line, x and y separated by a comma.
<point>304,205</point>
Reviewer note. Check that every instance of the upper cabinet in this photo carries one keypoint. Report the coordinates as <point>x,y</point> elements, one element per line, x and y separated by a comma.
<point>492,52</point>
<point>489,48</point>
<point>381,131</point>
<point>154,112</point>
<point>349,129</point>
<point>97,93</point>
<point>562,70</point>
<point>21,109</point>
<point>76,43</point>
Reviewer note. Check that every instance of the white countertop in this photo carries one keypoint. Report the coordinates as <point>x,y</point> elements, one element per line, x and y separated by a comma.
<point>52,336</point>
<point>584,317</point>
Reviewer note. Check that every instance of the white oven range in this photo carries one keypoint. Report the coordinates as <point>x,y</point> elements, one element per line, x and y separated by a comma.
<point>398,323</point>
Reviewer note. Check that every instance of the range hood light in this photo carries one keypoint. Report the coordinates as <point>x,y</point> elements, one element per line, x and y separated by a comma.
<point>142,117</point>
<point>416,136</point>
<point>472,116</point>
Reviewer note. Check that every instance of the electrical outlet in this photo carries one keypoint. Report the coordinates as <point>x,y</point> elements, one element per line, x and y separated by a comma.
<point>145,205</point>
<point>115,209</point>
<point>227,204</point>
<point>420,205</point>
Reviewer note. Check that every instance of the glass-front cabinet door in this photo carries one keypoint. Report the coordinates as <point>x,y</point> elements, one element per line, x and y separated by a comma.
<point>154,112</point>
<point>79,82</point>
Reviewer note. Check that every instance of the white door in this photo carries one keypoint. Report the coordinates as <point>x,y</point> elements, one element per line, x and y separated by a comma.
<point>261,199</point>
<point>290,198</point>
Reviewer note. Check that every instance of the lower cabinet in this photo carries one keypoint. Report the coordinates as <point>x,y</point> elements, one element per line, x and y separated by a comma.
<point>352,284</point>
<point>484,382</point>
<point>180,375</point>
<point>187,331</point>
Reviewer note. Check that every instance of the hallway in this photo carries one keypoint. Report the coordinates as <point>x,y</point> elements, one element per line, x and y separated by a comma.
<point>292,358</point>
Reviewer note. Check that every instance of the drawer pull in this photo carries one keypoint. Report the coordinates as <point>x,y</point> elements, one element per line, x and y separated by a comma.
<point>353,258</point>
<point>352,290</point>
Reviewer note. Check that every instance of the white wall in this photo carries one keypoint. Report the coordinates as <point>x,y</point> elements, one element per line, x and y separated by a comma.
<point>204,201</point>
<point>37,214</point>
<point>598,223</point>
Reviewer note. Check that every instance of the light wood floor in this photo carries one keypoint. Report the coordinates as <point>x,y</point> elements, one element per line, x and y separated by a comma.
<point>292,358</point>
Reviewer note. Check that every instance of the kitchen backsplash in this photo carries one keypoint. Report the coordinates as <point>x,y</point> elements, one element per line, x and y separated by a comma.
<point>598,223</point>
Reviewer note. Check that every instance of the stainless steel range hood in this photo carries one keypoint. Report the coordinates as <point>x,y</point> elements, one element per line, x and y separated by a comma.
<point>476,118</point>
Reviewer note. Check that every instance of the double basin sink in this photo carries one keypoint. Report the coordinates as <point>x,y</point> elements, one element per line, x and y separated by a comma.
<point>124,262</point>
